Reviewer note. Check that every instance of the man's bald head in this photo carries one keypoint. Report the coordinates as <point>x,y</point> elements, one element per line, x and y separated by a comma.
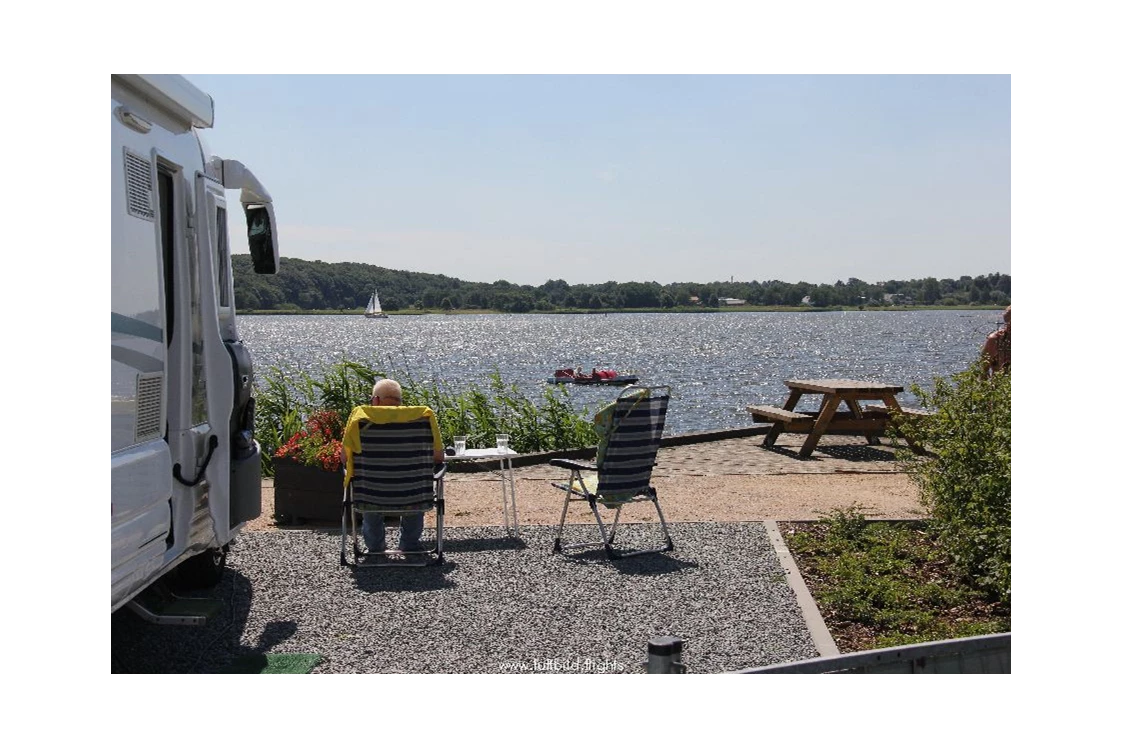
<point>386,392</point>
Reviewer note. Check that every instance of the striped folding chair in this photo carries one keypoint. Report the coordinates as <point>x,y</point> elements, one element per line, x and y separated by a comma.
<point>622,473</point>
<point>393,476</point>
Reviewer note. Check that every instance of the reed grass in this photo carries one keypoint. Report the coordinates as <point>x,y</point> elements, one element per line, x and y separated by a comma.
<point>540,421</point>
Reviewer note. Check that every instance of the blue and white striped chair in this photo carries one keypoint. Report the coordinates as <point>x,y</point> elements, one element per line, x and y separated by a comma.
<point>622,474</point>
<point>393,476</point>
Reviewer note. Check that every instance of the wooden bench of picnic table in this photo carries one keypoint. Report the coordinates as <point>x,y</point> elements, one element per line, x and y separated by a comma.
<point>802,421</point>
<point>906,411</point>
<point>770,414</point>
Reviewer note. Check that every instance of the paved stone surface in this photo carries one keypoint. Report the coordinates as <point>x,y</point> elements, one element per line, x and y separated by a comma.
<point>733,479</point>
<point>747,456</point>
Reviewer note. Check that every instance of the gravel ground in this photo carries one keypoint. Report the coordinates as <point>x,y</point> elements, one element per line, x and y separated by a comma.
<point>497,605</point>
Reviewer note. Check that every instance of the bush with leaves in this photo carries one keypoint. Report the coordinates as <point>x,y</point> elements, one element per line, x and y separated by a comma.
<point>965,481</point>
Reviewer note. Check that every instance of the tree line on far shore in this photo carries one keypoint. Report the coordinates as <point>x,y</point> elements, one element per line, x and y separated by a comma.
<point>303,285</point>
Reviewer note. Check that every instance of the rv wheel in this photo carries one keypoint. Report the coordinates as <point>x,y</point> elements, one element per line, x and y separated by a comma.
<point>203,570</point>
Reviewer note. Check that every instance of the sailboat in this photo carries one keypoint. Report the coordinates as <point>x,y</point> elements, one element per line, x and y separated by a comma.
<point>374,308</point>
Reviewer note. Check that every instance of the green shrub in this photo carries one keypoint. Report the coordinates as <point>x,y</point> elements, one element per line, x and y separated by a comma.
<point>845,526</point>
<point>889,582</point>
<point>965,483</point>
<point>868,573</point>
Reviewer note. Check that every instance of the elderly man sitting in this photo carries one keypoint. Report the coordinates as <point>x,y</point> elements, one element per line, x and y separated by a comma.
<point>386,407</point>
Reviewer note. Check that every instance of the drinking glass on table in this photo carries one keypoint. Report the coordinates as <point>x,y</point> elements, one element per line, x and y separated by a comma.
<point>501,441</point>
<point>459,442</point>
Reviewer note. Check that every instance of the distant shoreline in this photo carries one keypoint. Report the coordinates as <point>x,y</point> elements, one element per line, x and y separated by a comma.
<point>656,310</point>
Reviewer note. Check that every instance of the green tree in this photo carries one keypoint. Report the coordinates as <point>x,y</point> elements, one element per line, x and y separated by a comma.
<point>247,299</point>
<point>347,285</point>
<point>930,292</point>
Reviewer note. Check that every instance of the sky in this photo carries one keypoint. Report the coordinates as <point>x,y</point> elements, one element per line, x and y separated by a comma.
<point>592,178</point>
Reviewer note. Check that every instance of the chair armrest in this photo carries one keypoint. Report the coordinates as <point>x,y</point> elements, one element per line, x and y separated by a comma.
<point>440,471</point>
<point>573,464</point>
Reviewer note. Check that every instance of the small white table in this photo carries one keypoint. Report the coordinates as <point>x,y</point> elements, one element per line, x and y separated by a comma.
<point>506,478</point>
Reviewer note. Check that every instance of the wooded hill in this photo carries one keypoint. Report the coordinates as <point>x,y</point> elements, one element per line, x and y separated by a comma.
<point>344,286</point>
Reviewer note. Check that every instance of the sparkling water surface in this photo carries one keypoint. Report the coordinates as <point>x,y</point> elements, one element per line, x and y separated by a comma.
<point>716,364</point>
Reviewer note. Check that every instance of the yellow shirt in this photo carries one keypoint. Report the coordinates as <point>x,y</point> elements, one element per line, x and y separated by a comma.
<point>384,414</point>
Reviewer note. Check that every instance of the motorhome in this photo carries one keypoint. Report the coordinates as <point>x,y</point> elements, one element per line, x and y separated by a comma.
<point>186,467</point>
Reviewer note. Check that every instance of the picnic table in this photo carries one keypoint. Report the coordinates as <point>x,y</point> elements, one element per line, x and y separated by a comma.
<point>869,421</point>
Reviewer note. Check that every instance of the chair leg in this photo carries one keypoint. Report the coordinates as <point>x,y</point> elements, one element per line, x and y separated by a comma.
<point>571,495</point>
<point>440,559</point>
<point>350,520</point>
<point>667,546</point>
<point>615,521</point>
<point>604,535</point>
<point>348,514</point>
<point>663,522</point>
<point>343,535</point>
<point>565,509</point>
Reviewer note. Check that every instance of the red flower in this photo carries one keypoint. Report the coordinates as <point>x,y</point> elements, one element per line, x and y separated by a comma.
<point>319,444</point>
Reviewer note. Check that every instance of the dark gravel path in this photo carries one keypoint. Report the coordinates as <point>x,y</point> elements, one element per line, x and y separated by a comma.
<point>497,605</point>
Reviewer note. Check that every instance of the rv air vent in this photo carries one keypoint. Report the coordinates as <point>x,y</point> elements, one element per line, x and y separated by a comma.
<point>149,407</point>
<point>138,186</point>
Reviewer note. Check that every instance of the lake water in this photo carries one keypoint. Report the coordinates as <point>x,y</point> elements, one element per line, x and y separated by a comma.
<point>716,364</point>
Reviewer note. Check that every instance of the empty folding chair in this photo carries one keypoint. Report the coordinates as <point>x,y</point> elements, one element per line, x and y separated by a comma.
<point>392,475</point>
<point>632,430</point>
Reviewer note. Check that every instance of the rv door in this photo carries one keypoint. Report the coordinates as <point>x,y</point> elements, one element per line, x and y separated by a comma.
<point>215,288</point>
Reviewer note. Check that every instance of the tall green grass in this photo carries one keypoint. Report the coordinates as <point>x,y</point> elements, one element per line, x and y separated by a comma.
<point>546,422</point>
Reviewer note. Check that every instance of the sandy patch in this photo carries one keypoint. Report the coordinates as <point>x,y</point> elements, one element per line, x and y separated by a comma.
<point>473,502</point>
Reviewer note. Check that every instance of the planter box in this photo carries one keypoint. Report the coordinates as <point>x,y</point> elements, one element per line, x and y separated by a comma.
<point>302,493</point>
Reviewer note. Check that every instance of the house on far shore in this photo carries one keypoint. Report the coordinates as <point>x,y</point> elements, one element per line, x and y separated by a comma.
<point>806,301</point>
<point>897,298</point>
<point>731,302</point>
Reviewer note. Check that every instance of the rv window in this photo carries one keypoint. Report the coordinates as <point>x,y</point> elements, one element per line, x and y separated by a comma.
<point>222,260</point>
<point>260,239</point>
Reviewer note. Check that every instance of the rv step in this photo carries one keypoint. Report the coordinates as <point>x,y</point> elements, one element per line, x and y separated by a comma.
<point>166,608</point>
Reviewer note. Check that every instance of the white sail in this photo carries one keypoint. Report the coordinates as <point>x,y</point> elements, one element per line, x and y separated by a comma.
<point>374,308</point>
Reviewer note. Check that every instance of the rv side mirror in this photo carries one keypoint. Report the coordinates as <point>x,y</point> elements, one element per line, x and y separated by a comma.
<point>263,240</point>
